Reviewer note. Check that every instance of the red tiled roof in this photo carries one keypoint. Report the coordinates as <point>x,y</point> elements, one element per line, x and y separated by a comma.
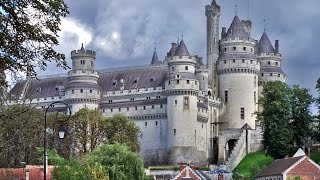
<point>35,173</point>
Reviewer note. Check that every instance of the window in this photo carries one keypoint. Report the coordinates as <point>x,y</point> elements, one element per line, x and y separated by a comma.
<point>135,81</point>
<point>251,61</point>
<point>186,68</point>
<point>114,82</point>
<point>161,106</point>
<point>145,123</point>
<point>234,48</point>
<point>158,97</point>
<point>131,99</point>
<point>234,61</point>
<point>226,96</point>
<point>172,68</point>
<point>156,123</point>
<point>82,61</point>
<point>103,110</point>
<point>243,61</point>
<point>148,97</point>
<point>178,81</point>
<point>45,99</point>
<point>127,108</point>
<point>152,78</point>
<point>81,90</point>
<point>168,82</point>
<point>144,107</point>
<point>225,61</point>
<point>244,48</point>
<point>277,63</point>
<point>90,91</point>
<point>255,97</point>
<point>176,102</point>
<point>91,63</point>
<point>119,109</point>
<point>202,126</point>
<point>188,82</point>
<point>72,91</point>
<point>111,110</point>
<point>52,98</point>
<point>271,74</point>
<point>269,62</point>
<point>110,101</point>
<point>225,49</point>
<point>242,113</point>
<point>136,108</point>
<point>195,82</point>
<point>174,131</point>
<point>152,106</point>
<point>261,74</point>
<point>278,75</point>
<point>251,50</point>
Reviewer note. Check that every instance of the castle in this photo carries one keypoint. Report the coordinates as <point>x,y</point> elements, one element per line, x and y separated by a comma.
<point>187,110</point>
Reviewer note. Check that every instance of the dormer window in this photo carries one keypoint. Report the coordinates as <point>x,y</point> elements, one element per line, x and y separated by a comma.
<point>135,81</point>
<point>152,78</point>
<point>39,89</point>
<point>114,82</point>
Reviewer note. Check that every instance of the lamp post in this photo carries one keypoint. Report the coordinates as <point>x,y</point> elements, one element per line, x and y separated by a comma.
<point>61,135</point>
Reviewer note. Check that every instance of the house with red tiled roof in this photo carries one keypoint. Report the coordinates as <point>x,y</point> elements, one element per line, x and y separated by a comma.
<point>28,173</point>
<point>297,166</point>
<point>189,172</point>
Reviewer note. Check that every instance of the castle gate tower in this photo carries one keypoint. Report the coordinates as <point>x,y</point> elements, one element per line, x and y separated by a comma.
<point>83,90</point>
<point>182,88</point>
<point>213,15</point>
<point>238,70</point>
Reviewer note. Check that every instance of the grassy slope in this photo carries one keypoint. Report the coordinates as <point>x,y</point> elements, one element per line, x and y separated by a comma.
<point>258,159</point>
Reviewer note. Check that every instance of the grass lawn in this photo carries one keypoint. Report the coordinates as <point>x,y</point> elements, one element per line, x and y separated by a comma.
<point>256,159</point>
<point>315,156</point>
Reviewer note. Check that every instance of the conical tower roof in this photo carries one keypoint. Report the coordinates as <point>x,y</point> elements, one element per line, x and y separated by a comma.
<point>236,29</point>
<point>264,45</point>
<point>182,50</point>
<point>155,59</point>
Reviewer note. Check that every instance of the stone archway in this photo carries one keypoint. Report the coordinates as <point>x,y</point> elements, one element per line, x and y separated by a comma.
<point>229,146</point>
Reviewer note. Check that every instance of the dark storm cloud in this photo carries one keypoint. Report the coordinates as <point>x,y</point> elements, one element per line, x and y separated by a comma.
<point>138,23</point>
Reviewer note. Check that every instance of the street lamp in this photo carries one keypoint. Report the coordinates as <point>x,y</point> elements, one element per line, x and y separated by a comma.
<point>61,130</point>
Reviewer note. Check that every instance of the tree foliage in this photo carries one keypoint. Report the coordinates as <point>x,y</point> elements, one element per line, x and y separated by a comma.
<point>120,129</point>
<point>28,34</point>
<point>87,130</point>
<point>117,161</point>
<point>286,117</point>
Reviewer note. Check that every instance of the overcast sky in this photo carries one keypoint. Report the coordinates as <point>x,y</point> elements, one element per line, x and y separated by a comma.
<point>123,32</point>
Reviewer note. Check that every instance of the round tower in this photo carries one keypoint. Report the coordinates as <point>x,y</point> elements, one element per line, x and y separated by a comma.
<point>213,16</point>
<point>271,61</point>
<point>182,88</point>
<point>83,89</point>
<point>238,70</point>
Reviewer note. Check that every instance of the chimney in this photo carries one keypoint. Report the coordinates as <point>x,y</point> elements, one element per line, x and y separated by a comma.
<point>223,32</point>
<point>173,48</point>
<point>247,25</point>
<point>27,174</point>
<point>277,46</point>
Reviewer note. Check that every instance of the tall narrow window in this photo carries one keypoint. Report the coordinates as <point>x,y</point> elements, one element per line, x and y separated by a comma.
<point>242,113</point>
<point>186,68</point>
<point>174,131</point>
<point>226,96</point>
<point>176,102</point>
<point>255,97</point>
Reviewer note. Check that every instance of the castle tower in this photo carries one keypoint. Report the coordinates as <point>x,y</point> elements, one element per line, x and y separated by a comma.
<point>270,60</point>
<point>213,15</point>
<point>182,88</point>
<point>238,70</point>
<point>83,90</point>
<point>155,60</point>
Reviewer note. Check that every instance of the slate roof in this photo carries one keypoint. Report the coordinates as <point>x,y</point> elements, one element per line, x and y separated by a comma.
<point>264,45</point>
<point>138,78</point>
<point>155,59</point>
<point>278,166</point>
<point>182,49</point>
<point>271,70</point>
<point>236,30</point>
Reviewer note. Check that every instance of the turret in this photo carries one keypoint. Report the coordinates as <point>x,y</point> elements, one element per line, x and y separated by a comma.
<point>270,60</point>
<point>155,60</point>
<point>213,15</point>
<point>182,88</point>
<point>238,70</point>
<point>83,89</point>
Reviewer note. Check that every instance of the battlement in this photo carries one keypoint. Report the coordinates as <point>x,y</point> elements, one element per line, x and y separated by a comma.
<point>182,59</point>
<point>251,40</point>
<point>134,91</point>
<point>269,55</point>
<point>81,52</point>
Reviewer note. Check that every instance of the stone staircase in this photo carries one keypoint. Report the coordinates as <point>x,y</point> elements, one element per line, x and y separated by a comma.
<point>238,152</point>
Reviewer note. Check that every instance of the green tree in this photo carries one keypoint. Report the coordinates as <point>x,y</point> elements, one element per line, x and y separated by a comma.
<point>117,161</point>
<point>317,118</point>
<point>28,34</point>
<point>87,130</point>
<point>301,117</point>
<point>120,129</point>
<point>275,119</point>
